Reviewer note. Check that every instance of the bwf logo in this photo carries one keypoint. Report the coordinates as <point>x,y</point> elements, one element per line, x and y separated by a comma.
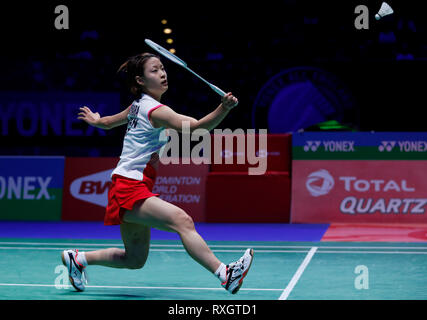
<point>92,188</point>
<point>311,146</point>
<point>386,146</point>
<point>319,183</point>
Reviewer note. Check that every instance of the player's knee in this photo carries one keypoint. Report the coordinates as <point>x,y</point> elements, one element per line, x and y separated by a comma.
<point>183,221</point>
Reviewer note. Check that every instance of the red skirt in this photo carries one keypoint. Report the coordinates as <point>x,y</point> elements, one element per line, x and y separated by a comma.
<point>124,192</point>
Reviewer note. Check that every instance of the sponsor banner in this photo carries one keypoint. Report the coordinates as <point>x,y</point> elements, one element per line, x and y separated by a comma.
<point>87,180</point>
<point>184,186</point>
<point>40,114</point>
<point>86,184</point>
<point>31,188</point>
<point>359,146</point>
<point>233,153</point>
<point>359,191</point>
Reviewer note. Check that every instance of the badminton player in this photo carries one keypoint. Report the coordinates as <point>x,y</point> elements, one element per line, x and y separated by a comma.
<point>131,203</point>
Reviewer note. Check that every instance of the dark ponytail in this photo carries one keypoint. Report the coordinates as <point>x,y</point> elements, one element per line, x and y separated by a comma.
<point>133,67</point>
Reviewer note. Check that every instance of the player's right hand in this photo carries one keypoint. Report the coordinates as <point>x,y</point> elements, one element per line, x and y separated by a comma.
<point>88,116</point>
<point>229,101</point>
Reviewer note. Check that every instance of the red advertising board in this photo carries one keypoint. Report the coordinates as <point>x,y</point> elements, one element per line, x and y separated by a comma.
<point>236,197</point>
<point>184,186</point>
<point>86,183</point>
<point>325,191</point>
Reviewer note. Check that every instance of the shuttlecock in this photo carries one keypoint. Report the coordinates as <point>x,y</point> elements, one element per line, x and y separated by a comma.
<point>385,10</point>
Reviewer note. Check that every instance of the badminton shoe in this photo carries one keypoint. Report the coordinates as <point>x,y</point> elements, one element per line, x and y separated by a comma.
<point>76,271</point>
<point>237,271</point>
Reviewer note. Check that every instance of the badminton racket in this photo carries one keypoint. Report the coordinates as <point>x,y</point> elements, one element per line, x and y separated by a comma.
<point>178,61</point>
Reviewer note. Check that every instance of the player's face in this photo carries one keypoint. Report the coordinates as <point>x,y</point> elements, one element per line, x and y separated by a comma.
<point>155,77</point>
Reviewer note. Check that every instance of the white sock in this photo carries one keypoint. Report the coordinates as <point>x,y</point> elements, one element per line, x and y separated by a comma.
<point>81,258</point>
<point>221,272</point>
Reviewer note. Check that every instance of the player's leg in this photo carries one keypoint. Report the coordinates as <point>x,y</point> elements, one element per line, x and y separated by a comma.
<point>159,214</point>
<point>155,212</point>
<point>136,239</point>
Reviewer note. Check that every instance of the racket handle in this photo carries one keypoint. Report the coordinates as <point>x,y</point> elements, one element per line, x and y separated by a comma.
<point>217,90</point>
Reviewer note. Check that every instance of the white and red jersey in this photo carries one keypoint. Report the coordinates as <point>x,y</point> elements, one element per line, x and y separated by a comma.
<point>142,141</point>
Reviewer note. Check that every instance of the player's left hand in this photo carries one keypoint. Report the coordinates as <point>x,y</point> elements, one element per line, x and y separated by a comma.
<point>88,116</point>
<point>229,101</point>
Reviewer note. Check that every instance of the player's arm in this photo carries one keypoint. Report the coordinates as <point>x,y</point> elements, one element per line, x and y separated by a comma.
<point>167,118</point>
<point>107,122</point>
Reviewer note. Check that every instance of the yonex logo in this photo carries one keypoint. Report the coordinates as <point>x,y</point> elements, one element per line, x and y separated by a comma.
<point>27,188</point>
<point>412,146</point>
<point>311,146</point>
<point>387,146</point>
<point>319,183</point>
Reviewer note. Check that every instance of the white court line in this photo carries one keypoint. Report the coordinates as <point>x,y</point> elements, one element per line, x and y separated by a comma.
<point>129,287</point>
<point>297,274</point>
<point>211,246</point>
<point>321,250</point>
<point>376,252</point>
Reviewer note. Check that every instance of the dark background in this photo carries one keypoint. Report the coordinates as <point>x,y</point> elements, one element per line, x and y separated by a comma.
<point>237,45</point>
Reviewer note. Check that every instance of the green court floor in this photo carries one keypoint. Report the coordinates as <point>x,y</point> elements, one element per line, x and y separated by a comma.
<point>32,269</point>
